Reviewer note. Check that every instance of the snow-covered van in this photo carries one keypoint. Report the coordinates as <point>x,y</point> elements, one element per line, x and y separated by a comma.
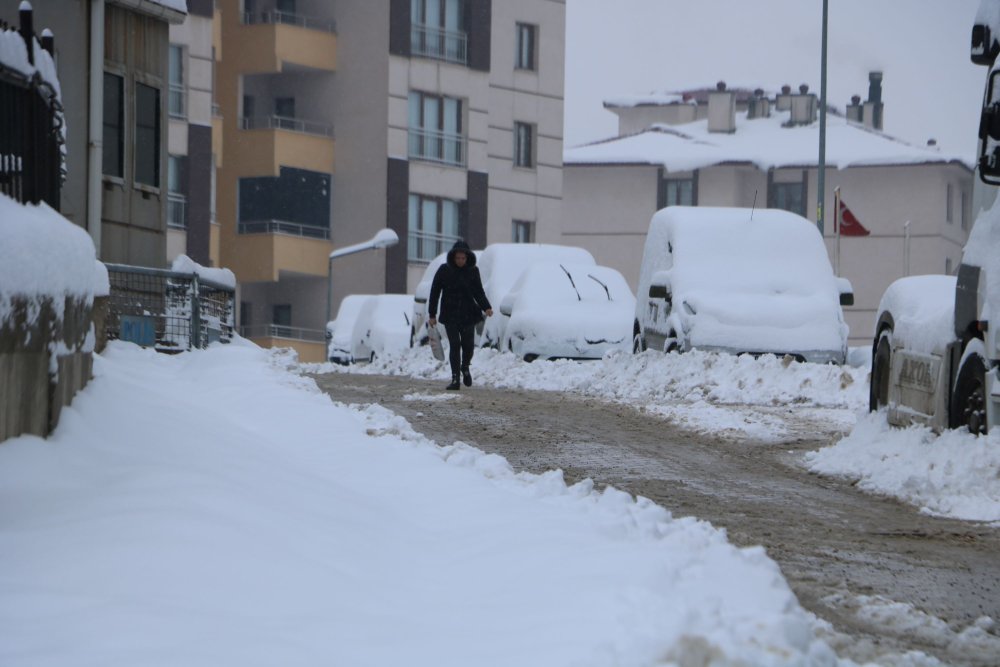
<point>741,281</point>
<point>936,349</point>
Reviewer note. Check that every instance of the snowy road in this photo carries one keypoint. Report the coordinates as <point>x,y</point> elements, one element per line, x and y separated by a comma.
<point>889,579</point>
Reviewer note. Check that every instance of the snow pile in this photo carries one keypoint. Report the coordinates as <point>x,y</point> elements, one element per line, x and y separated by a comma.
<point>14,56</point>
<point>221,277</point>
<point>211,508</point>
<point>654,98</point>
<point>42,254</point>
<point>924,308</point>
<point>955,474</point>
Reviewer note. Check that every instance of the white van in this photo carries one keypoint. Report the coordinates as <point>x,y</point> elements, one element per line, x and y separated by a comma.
<point>741,281</point>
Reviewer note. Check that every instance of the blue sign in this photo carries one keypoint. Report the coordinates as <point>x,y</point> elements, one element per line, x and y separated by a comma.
<point>138,329</point>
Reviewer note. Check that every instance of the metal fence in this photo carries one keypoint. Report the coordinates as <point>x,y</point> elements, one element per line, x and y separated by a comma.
<point>31,119</point>
<point>168,311</point>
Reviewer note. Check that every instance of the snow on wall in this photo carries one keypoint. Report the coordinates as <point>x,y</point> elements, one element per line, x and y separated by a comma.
<point>14,55</point>
<point>42,254</point>
<point>224,277</point>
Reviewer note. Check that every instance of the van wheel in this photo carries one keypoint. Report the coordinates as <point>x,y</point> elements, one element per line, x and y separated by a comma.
<point>510,345</point>
<point>530,357</point>
<point>878,395</point>
<point>670,345</point>
<point>968,406</point>
<point>371,358</point>
<point>413,336</point>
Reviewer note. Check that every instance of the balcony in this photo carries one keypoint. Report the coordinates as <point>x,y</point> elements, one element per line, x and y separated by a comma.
<point>275,141</point>
<point>261,250</point>
<point>434,42</point>
<point>274,41</point>
<point>310,344</point>
<point>438,147</point>
<point>282,227</point>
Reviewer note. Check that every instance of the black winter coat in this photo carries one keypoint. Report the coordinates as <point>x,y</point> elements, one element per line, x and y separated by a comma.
<point>463,299</point>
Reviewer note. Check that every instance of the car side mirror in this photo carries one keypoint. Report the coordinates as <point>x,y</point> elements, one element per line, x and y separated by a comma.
<point>847,298</point>
<point>659,292</point>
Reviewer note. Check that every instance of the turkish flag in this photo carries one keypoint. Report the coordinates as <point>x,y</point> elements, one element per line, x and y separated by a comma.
<point>849,225</point>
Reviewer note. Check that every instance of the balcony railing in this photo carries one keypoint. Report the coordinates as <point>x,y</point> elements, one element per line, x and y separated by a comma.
<point>282,227</point>
<point>424,246</point>
<point>274,17</point>
<point>177,101</point>
<point>286,123</point>
<point>437,147</point>
<point>434,42</point>
<point>282,331</point>
<point>176,211</point>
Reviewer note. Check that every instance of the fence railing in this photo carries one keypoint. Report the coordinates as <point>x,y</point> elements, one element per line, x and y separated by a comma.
<point>434,42</point>
<point>282,331</point>
<point>31,125</point>
<point>166,310</point>
<point>286,123</point>
<point>437,147</point>
<point>282,227</point>
<point>286,18</point>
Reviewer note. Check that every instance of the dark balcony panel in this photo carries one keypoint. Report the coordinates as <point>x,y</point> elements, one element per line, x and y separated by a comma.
<point>297,196</point>
<point>397,219</point>
<point>478,205</point>
<point>479,30</point>
<point>399,28</point>
<point>199,192</point>
<point>201,7</point>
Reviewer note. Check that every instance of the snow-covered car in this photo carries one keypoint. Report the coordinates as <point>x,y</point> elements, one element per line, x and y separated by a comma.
<point>383,325</point>
<point>339,348</point>
<point>741,281</point>
<point>568,310</point>
<point>501,264</point>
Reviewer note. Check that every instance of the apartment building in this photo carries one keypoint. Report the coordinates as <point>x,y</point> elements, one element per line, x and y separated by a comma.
<point>741,147</point>
<point>112,60</point>
<point>194,145</point>
<point>439,119</point>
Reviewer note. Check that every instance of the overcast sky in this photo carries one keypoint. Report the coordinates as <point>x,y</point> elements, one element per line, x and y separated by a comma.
<point>930,87</point>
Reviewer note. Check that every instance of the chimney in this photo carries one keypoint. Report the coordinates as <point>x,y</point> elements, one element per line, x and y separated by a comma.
<point>721,109</point>
<point>759,106</point>
<point>783,101</point>
<point>855,112</point>
<point>873,109</point>
<point>804,107</point>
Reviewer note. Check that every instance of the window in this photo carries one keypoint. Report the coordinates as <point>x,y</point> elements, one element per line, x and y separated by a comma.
<point>436,128</point>
<point>147,135</point>
<point>524,154</point>
<point>789,197</point>
<point>526,38</point>
<point>948,203</point>
<point>176,200</point>
<point>176,106</point>
<point>246,313</point>
<point>947,266</point>
<point>282,315</point>
<point>297,202</point>
<point>114,125</point>
<point>433,226</point>
<point>522,231</point>
<point>677,192</point>
<point>438,30</point>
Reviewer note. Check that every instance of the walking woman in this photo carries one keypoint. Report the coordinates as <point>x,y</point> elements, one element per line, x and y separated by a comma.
<point>463,303</point>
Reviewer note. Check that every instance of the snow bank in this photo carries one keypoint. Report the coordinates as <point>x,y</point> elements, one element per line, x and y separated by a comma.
<point>210,508</point>
<point>955,474</point>
<point>42,254</point>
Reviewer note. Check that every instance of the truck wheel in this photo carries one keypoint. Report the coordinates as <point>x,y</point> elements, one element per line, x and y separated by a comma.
<point>670,345</point>
<point>968,407</point>
<point>878,396</point>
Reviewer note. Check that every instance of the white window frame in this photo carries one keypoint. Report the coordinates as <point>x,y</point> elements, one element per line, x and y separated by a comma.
<point>524,145</point>
<point>427,226</point>
<point>526,47</point>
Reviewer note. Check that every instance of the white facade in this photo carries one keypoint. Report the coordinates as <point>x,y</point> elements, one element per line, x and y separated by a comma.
<point>612,189</point>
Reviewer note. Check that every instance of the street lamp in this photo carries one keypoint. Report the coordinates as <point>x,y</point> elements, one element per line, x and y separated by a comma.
<point>383,239</point>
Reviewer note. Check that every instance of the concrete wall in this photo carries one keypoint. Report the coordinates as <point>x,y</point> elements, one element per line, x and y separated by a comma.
<point>34,341</point>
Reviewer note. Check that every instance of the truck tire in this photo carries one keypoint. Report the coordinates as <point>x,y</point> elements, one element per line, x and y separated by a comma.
<point>638,342</point>
<point>968,406</point>
<point>878,395</point>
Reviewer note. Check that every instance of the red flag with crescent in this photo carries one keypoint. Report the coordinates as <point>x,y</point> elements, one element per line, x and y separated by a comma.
<point>849,225</point>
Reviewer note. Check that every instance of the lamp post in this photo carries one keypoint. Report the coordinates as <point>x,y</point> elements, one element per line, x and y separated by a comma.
<point>821,170</point>
<point>383,239</point>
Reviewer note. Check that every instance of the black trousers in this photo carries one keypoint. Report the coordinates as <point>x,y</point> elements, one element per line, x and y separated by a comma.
<point>461,343</point>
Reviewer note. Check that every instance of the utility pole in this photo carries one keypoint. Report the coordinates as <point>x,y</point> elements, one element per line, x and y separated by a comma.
<point>821,172</point>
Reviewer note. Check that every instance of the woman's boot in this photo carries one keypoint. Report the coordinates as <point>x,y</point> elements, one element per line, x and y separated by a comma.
<point>466,376</point>
<point>454,382</point>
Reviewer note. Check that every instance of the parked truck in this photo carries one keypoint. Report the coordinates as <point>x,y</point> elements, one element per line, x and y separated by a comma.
<point>936,350</point>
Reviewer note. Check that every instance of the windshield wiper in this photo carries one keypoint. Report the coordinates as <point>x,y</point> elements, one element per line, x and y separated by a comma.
<point>606,290</point>
<point>578,297</point>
